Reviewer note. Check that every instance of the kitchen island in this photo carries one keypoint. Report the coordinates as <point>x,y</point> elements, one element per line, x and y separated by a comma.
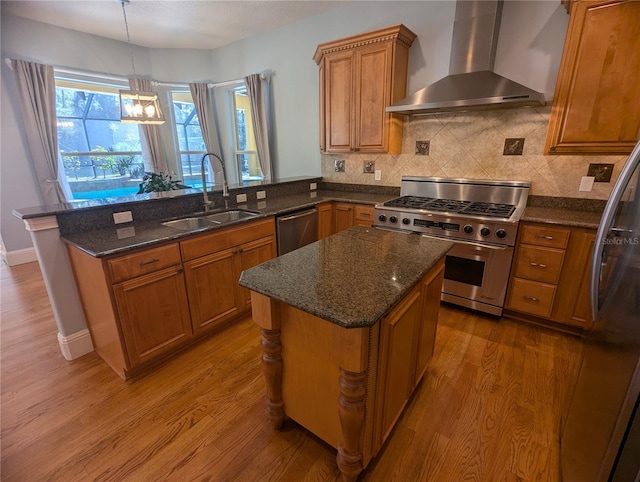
<point>348,325</point>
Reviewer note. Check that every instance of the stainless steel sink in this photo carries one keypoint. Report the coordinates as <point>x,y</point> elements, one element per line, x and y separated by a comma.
<point>230,215</point>
<point>191,224</point>
<point>194,223</point>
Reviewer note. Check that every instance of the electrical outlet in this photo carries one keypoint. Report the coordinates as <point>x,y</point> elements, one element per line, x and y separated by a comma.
<point>261,194</point>
<point>378,174</point>
<point>122,217</point>
<point>586,183</point>
<point>241,198</point>
<point>313,186</point>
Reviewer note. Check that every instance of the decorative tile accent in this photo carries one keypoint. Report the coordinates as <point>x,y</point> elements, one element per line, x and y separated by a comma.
<point>368,167</point>
<point>601,172</point>
<point>422,148</point>
<point>339,165</point>
<point>513,146</point>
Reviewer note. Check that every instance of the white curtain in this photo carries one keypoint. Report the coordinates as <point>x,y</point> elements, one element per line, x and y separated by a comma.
<point>203,102</point>
<point>153,153</point>
<point>37,92</point>
<point>259,90</point>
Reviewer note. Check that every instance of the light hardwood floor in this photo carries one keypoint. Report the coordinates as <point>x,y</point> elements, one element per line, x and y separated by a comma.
<point>488,410</point>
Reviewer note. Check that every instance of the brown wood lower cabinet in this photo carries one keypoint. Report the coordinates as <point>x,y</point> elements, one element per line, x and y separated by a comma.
<point>325,220</point>
<point>551,275</point>
<point>347,386</point>
<point>349,214</point>
<point>143,306</point>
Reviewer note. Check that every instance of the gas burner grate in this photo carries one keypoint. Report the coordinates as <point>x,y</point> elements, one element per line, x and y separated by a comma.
<point>447,205</point>
<point>414,202</point>
<point>491,210</point>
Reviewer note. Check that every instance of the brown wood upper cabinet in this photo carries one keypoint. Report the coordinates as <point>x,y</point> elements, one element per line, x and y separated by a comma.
<point>596,103</point>
<point>359,77</point>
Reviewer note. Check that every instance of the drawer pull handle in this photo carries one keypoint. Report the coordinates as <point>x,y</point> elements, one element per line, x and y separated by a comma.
<point>530,298</point>
<point>550,238</point>
<point>538,265</point>
<point>154,260</point>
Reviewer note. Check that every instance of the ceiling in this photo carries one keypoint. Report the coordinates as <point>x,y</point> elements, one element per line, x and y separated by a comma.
<point>187,24</point>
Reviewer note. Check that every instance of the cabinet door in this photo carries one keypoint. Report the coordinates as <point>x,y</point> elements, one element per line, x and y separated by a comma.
<point>344,216</point>
<point>397,361</point>
<point>372,95</point>
<point>597,98</point>
<point>250,255</point>
<point>154,314</point>
<point>581,312</point>
<point>338,96</point>
<point>325,220</point>
<point>426,328</point>
<point>211,283</point>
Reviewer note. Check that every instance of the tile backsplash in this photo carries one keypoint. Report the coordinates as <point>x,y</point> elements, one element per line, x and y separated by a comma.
<point>472,145</point>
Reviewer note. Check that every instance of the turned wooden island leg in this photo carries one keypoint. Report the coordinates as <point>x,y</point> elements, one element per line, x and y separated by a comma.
<point>352,402</point>
<point>272,366</point>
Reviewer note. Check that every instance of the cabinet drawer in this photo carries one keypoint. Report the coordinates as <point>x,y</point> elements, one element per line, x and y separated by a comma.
<point>143,262</point>
<point>364,213</point>
<point>532,297</point>
<point>545,236</point>
<point>539,264</point>
<point>226,238</point>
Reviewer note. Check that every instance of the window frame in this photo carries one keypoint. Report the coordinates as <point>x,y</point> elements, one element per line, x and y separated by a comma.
<point>210,178</point>
<point>237,152</point>
<point>92,85</point>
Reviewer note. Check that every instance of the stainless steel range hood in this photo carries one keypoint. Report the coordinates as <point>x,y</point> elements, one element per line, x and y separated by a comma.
<point>471,83</point>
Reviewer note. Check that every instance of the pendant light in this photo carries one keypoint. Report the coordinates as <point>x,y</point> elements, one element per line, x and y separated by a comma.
<point>137,106</point>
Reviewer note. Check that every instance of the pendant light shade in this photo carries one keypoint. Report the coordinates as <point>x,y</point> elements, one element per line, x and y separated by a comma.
<point>136,106</point>
<point>140,107</point>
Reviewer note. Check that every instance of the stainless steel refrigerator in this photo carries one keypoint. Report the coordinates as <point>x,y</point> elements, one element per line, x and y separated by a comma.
<point>600,440</point>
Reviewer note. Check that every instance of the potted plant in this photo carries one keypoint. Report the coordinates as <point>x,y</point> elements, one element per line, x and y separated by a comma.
<point>157,182</point>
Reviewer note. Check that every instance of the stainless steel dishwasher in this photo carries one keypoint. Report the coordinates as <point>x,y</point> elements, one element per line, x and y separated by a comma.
<point>297,229</point>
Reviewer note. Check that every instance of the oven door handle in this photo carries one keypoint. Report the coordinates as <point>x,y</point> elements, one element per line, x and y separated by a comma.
<point>477,245</point>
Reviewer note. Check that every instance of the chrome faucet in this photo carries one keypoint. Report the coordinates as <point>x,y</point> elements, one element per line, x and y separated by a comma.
<point>225,187</point>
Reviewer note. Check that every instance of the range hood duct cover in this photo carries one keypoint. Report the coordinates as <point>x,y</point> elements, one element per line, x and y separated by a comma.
<point>471,83</point>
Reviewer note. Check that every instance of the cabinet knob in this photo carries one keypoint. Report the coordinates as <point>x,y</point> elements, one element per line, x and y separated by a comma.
<point>530,298</point>
<point>180,270</point>
<point>544,237</point>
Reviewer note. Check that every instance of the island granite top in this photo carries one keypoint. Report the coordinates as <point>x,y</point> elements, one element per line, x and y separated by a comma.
<point>351,279</point>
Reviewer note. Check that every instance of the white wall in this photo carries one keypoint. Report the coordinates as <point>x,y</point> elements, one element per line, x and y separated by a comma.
<point>529,50</point>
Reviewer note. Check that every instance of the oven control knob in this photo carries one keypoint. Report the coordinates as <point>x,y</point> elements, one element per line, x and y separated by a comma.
<point>501,233</point>
<point>382,218</point>
<point>405,221</point>
<point>468,229</point>
<point>393,219</point>
<point>485,232</point>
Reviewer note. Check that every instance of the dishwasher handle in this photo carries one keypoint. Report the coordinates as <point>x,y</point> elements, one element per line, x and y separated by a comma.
<point>297,215</point>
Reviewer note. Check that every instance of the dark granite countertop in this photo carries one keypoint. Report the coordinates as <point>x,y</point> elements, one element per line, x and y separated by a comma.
<point>118,239</point>
<point>352,278</point>
<point>564,217</point>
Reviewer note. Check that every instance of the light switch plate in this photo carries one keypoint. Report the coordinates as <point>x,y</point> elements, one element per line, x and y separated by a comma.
<point>378,174</point>
<point>586,184</point>
<point>261,194</point>
<point>241,198</point>
<point>122,217</point>
<point>313,186</point>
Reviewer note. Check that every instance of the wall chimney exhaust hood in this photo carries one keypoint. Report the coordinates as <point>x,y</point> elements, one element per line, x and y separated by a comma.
<point>471,83</point>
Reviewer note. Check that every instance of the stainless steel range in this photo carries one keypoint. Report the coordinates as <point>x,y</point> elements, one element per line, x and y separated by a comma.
<point>480,216</point>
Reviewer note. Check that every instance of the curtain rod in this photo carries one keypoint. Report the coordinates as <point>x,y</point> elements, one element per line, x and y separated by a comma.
<point>95,75</point>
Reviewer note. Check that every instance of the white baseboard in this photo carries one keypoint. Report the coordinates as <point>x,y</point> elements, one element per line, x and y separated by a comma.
<point>19,256</point>
<point>75,345</point>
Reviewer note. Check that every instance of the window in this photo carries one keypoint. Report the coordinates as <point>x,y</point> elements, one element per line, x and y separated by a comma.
<point>244,142</point>
<point>101,156</point>
<point>190,143</point>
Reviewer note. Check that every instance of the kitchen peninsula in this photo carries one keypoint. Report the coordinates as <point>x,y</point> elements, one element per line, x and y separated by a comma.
<point>348,325</point>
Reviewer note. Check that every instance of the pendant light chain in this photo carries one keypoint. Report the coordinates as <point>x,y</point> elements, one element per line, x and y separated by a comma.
<point>126,25</point>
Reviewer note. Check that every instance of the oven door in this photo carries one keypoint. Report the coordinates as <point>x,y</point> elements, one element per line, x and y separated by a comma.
<point>476,276</point>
